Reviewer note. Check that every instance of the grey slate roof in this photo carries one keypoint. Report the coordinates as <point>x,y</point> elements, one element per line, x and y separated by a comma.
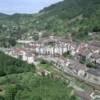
<point>95,72</point>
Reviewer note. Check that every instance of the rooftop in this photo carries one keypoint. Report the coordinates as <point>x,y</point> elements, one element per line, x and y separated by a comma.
<point>95,72</point>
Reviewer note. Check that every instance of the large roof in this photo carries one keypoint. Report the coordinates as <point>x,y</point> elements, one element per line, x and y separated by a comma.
<point>84,95</point>
<point>95,43</point>
<point>95,72</point>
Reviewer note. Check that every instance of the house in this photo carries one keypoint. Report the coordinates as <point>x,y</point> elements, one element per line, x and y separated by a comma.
<point>58,46</point>
<point>94,46</point>
<point>94,49</point>
<point>95,43</point>
<point>98,62</point>
<point>43,72</point>
<point>15,52</point>
<point>82,51</point>
<point>78,69</point>
<point>84,54</point>
<point>95,58</point>
<point>28,56</point>
<point>84,95</point>
<point>22,53</point>
<point>93,75</point>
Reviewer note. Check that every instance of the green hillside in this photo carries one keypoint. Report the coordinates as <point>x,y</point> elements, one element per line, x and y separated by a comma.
<point>9,65</point>
<point>27,86</point>
<point>69,10</point>
<point>20,81</point>
<point>75,16</point>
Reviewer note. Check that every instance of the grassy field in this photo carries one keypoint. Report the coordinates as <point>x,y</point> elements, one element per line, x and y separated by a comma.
<point>29,86</point>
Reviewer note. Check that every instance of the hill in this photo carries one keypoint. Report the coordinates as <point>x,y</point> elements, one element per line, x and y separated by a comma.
<point>20,81</point>
<point>75,16</point>
<point>68,10</point>
<point>2,15</point>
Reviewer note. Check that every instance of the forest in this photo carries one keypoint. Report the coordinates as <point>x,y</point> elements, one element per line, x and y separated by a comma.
<point>69,16</point>
<point>9,65</point>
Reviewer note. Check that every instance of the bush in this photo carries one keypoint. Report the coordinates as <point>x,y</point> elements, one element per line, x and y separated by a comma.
<point>9,65</point>
<point>10,92</point>
<point>91,65</point>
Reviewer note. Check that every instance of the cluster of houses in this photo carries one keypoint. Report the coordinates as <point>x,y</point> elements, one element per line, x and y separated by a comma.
<point>90,52</point>
<point>21,53</point>
<point>55,47</point>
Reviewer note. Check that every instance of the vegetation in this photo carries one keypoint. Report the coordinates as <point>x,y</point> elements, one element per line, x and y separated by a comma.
<point>67,54</point>
<point>91,65</point>
<point>27,86</point>
<point>69,16</point>
<point>7,42</point>
<point>83,60</point>
<point>46,65</point>
<point>18,81</point>
<point>9,65</point>
<point>88,63</point>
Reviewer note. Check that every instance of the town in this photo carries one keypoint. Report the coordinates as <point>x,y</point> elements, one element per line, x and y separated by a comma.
<point>50,50</point>
<point>80,60</point>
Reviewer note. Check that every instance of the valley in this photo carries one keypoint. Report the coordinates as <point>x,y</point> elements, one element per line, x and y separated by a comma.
<point>53,54</point>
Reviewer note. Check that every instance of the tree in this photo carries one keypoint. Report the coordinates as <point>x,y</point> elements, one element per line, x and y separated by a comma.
<point>12,42</point>
<point>96,29</point>
<point>11,92</point>
<point>2,98</point>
